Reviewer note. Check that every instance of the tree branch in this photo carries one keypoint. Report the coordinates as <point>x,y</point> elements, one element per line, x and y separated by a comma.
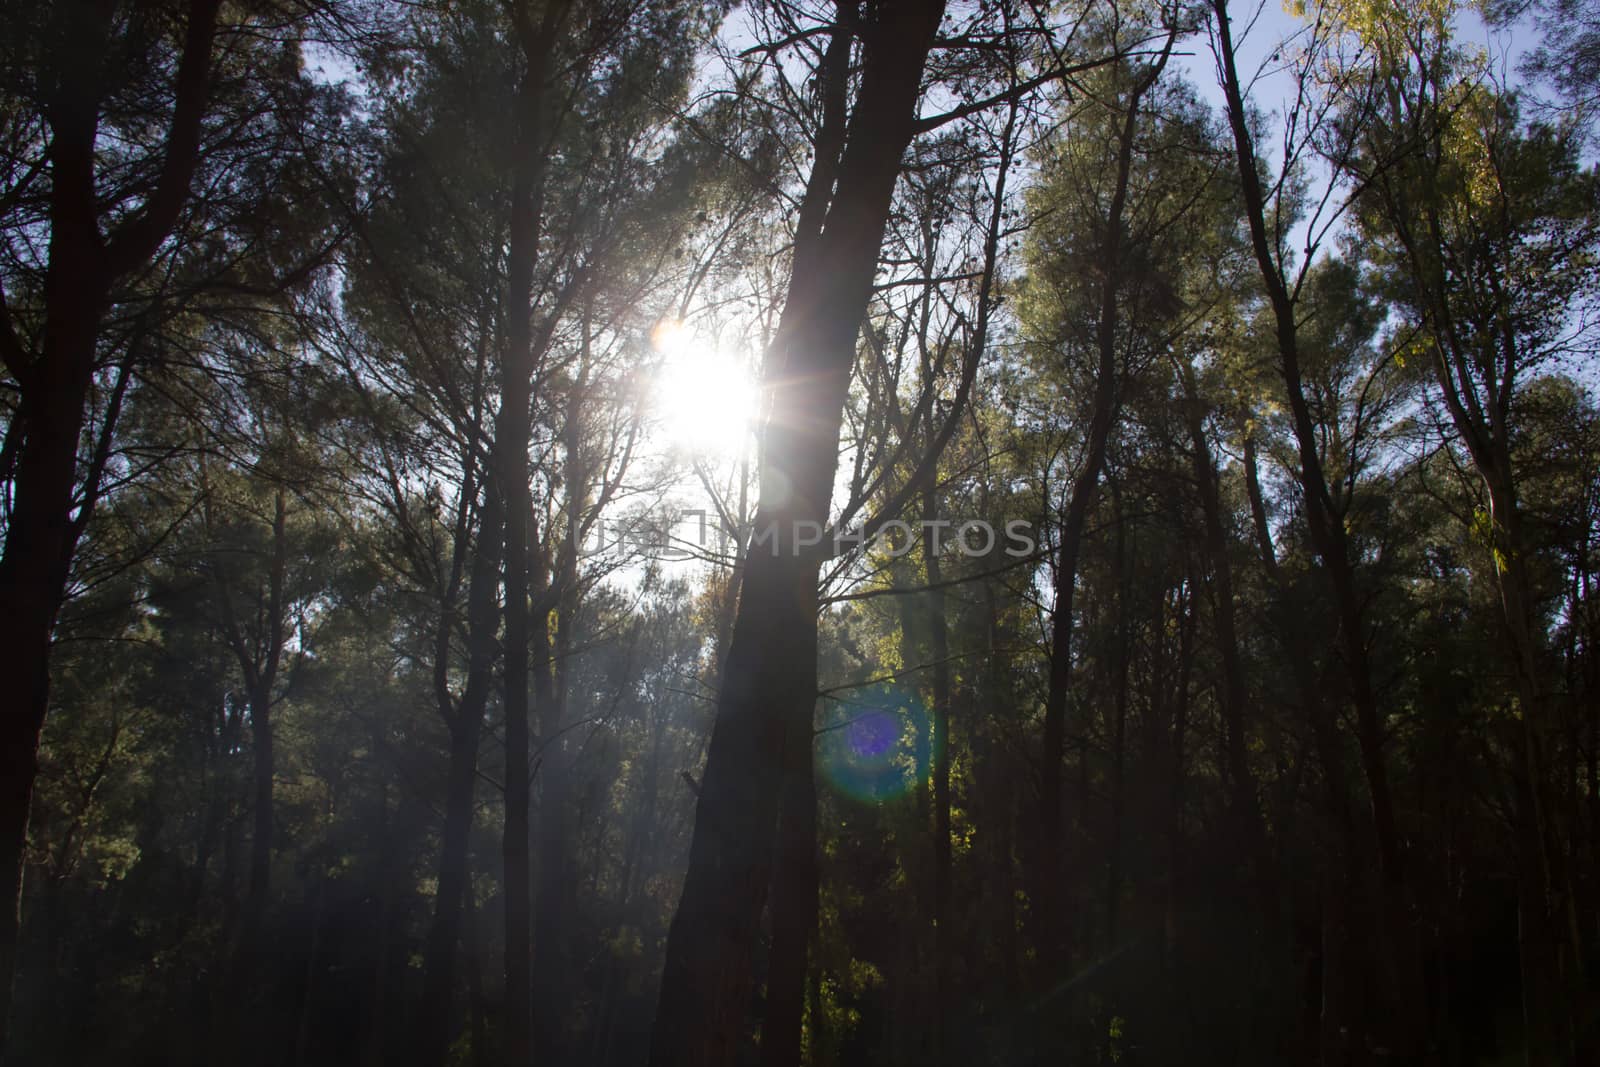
<point>137,239</point>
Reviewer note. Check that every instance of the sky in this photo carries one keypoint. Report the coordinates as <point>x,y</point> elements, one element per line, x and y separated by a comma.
<point>1261,29</point>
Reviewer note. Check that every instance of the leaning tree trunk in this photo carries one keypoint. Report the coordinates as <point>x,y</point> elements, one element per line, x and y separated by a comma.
<point>769,678</point>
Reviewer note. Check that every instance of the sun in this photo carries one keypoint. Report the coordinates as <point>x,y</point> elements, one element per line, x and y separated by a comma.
<point>705,399</point>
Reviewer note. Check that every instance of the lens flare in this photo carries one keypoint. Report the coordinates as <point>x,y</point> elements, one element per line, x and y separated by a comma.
<point>876,744</point>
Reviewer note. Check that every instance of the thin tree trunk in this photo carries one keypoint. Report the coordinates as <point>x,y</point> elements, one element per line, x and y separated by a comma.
<point>1337,1030</point>
<point>258,659</point>
<point>1551,943</point>
<point>1409,1022</point>
<point>308,980</point>
<point>553,688</point>
<point>512,435</point>
<point>259,663</point>
<point>514,847</point>
<point>1246,803</point>
<point>1591,706</point>
<point>263,759</point>
<point>1255,855</point>
<point>463,716</point>
<point>1174,933</point>
<point>1053,935</point>
<point>818,1024</point>
<point>476,957</point>
<point>556,878</point>
<point>1479,393</point>
<point>1551,955</point>
<point>1001,791</point>
<point>374,1038</point>
<point>939,652</point>
<point>465,722</point>
<point>1119,718</point>
<point>466,728</point>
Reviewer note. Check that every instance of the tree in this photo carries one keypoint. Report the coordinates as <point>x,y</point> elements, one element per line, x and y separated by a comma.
<point>1325,519</point>
<point>1494,232</point>
<point>115,222</point>
<point>768,681</point>
<point>1107,233</point>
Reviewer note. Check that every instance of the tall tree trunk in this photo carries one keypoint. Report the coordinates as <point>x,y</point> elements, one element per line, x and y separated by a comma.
<point>818,1028</point>
<point>1591,712</point>
<point>1002,795</point>
<point>260,678</point>
<point>1551,957</point>
<point>769,678</point>
<point>53,386</point>
<point>1242,779</point>
<point>32,583</point>
<point>1118,727</point>
<point>263,762</point>
<point>1049,869</point>
<point>1173,942</point>
<point>513,431</point>
<point>514,845</point>
<point>465,721</point>
<point>477,1002</point>
<point>308,979</point>
<point>556,877</point>
<point>1478,362</point>
<point>1550,941</point>
<point>1396,941</point>
<point>1255,855</point>
<point>553,687</point>
<point>1337,1029</point>
<point>259,657</point>
<point>386,936</point>
<point>939,668</point>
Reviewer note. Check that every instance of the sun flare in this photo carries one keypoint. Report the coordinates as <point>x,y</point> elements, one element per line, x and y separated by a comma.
<point>704,398</point>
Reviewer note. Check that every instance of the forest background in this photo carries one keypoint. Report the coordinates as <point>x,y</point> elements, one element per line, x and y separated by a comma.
<point>338,338</point>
